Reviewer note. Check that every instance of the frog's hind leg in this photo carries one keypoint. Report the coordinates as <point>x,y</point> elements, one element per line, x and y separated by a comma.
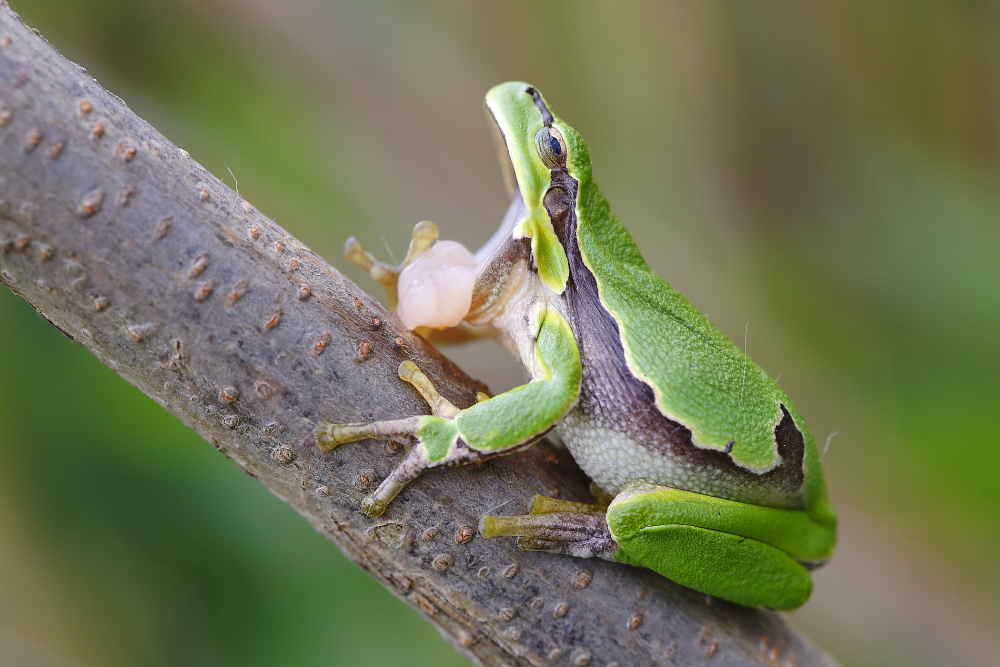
<point>556,526</point>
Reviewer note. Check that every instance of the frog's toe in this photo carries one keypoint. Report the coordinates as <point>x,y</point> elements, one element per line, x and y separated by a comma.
<point>439,405</point>
<point>329,436</point>
<point>373,506</point>
<point>424,234</point>
<point>584,535</point>
<point>386,274</point>
<point>545,505</point>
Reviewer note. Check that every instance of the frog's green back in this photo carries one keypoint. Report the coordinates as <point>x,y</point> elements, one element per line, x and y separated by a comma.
<point>699,377</point>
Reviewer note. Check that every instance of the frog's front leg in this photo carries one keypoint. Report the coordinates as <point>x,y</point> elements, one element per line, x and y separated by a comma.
<point>752,555</point>
<point>495,426</point>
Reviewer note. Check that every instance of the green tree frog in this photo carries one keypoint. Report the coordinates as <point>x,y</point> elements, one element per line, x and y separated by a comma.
<point>704,471</point>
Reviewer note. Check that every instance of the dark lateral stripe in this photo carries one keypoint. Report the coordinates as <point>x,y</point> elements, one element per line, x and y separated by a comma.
<point>542,107</point>
<point>610,394</point>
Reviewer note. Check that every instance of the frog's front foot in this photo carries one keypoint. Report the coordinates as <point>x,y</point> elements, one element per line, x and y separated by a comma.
<point>435,440</point>
<point>556,526</point>
<point>329,436</point>
<point>387,275</point>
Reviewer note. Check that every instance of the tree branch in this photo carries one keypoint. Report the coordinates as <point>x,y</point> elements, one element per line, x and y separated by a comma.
<point>137,253</point>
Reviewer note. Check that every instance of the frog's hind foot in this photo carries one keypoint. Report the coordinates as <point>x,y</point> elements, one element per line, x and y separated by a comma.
<point>545,505</point>
<point>556,526</point>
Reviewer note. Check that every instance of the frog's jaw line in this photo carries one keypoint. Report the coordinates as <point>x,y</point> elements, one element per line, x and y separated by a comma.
<point>500,145</point>
<point>519,113</point>
<point>516,211</point>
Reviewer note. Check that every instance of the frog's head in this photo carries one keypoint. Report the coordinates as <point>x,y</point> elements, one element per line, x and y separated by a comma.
<point>532,141</point>
<point>535,149</point>
<point>543,161</point>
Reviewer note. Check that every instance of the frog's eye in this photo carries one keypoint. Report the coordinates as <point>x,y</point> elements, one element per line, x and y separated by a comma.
<point>551,147</point>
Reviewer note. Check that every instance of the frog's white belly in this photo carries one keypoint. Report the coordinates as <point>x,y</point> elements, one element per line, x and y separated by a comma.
<point>613,459</point>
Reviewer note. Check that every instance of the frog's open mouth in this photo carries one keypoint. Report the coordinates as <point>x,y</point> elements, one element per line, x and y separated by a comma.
<point>516,210</point>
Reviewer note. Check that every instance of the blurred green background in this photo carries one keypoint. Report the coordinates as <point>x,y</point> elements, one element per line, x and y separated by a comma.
<point>823,174</point>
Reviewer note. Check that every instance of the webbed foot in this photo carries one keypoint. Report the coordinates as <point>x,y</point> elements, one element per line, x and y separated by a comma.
<point>556,526</point>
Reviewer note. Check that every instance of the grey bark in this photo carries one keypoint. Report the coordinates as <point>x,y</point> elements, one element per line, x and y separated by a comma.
<point>137,253</point>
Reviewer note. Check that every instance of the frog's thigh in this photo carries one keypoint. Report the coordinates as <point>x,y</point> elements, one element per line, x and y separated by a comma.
<point>727,566</point>
<point>724,564</point>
